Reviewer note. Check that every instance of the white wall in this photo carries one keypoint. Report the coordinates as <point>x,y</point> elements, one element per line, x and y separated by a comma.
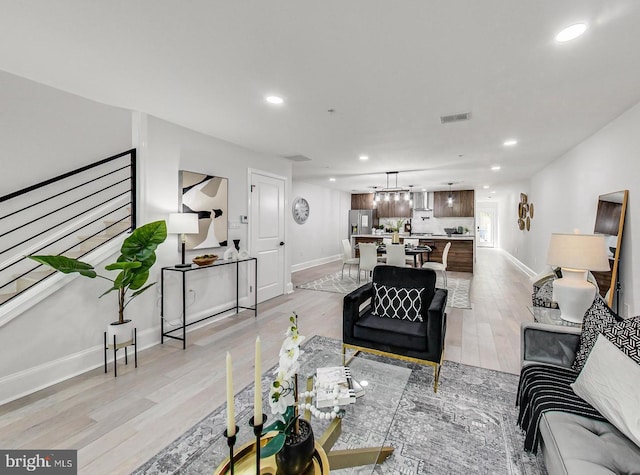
<point>45,132</point>
<point>318,240</point>
<point>565,194</point>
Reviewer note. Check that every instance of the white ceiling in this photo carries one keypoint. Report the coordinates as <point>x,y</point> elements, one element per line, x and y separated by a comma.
<point>389,69</point>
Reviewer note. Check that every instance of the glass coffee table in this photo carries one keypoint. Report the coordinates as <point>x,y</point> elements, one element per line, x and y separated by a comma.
<point>550,316</point>
<point>354,444</point>
<point>351,444</point>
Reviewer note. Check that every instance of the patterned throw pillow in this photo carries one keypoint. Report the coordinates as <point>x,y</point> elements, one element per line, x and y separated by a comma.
<point>626,336</point>
<point>397,302</point>
<point>596,320</point>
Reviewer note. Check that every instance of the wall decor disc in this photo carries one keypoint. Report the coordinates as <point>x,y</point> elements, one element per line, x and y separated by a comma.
<point>528,223</point>
<point>523,197</point>
<point>526,208</point>
<point>300,210</point>
<point>519,210</point>
<point>521,224</point>
<point>531,209</point>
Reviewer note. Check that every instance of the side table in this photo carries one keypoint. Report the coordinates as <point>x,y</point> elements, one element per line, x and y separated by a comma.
<point>550,316</point>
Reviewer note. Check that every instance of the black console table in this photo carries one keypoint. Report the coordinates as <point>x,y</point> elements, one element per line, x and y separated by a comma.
<point>185,271</point>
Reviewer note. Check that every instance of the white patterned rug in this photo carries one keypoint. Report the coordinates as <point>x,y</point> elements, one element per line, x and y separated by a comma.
<point>459,289</point>
<point>467,427</point>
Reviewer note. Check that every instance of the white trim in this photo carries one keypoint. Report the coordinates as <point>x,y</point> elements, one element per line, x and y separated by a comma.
<point>529,272</point>
<point>30,297</point>
<point>315,262</point>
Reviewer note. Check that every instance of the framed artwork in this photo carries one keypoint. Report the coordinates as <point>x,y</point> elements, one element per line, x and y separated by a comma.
<point>207,196</point>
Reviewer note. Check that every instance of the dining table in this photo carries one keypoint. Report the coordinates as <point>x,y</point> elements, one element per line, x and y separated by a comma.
<point>416,252</point>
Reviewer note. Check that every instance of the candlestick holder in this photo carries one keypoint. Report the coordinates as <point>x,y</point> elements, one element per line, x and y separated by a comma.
<point>257,430</point>
<point>231,441</point>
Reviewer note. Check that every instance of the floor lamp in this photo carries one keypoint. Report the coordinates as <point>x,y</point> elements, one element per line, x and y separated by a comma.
<point>183,224</point>
<point>576,254</point>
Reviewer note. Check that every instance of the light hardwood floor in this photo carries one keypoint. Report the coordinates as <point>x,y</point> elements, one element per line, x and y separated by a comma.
<point>118,424</point>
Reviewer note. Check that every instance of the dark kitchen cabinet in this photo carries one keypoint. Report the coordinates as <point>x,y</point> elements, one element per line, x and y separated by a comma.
<point>463,204</point>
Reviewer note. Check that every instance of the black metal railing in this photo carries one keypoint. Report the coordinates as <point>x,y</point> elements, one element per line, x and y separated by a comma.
<point>71,214</point>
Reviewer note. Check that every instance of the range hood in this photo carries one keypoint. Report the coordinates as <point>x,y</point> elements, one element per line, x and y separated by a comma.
<point>421,201</point>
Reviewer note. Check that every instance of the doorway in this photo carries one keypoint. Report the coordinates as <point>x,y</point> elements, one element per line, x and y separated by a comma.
<point>486,224</point>
<point>266,230</point>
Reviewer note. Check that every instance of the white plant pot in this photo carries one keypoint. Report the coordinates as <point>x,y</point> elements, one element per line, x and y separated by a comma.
<point>123,333</point>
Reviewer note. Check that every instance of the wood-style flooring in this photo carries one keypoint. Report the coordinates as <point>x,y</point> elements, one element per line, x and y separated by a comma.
<point>117,424</point>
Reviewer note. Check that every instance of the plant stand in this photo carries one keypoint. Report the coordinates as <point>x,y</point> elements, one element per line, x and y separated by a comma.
<point>117,346</point>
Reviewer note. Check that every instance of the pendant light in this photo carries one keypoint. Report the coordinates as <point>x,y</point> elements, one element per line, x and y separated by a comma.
<point>450,197</point>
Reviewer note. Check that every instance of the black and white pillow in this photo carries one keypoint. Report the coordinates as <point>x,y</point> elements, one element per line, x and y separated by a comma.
<point>596,320</point>
<point>397,302</point>
<point>625,336</point>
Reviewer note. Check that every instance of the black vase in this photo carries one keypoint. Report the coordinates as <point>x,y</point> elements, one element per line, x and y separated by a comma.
<point>236,242</point>
<point>297,453</point>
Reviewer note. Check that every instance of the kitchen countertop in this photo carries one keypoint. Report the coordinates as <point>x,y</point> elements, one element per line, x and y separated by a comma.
<point>457,237</point>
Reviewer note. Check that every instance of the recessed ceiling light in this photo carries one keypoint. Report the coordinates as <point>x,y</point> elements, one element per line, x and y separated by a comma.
<point>274,99</point>
<point>510,143</point>
<point>486,187</point>
<point>332,179</point>
<point>571,32</point>
<point>424,189</point>
<point>364,157</point>
<point>495,168</point>
<point>493,191</point>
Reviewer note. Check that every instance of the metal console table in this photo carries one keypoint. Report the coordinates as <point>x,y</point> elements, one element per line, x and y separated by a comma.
<point>184,271</point>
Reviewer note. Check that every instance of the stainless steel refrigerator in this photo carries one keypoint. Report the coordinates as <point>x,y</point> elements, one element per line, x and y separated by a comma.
<point>360,221</point>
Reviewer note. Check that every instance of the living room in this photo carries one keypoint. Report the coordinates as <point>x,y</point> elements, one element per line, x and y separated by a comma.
<point>47,131</point>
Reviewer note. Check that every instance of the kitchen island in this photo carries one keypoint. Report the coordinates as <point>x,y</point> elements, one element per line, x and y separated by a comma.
<point>461,253</point>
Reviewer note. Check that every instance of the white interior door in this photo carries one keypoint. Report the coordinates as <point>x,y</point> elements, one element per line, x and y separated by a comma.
<point>267,233</point>
<point>486,225</point>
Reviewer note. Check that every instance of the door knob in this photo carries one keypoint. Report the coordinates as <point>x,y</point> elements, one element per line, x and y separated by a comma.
<point>282,243</point>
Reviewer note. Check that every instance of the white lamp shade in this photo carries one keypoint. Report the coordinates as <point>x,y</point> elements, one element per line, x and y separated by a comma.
<point>183,223</point>
<point>578,251</point>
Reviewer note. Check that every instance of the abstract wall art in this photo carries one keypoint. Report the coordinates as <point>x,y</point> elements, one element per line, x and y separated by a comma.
<point>207,196</point>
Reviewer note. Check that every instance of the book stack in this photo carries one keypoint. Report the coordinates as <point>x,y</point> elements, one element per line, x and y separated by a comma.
<point>333,386</point>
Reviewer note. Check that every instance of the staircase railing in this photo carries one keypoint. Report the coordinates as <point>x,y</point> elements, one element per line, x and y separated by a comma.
<point>71,214</point>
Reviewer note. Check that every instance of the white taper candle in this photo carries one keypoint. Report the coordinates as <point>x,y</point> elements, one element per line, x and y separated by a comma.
<point>231,418</point>
<point>257,397</point>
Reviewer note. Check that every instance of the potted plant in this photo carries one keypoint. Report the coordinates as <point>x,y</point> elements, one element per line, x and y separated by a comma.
<point>293,444</point>
<point>137,255</point>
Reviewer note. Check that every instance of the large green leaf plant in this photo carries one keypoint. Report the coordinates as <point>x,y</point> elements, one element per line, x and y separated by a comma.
<point>137,256</point>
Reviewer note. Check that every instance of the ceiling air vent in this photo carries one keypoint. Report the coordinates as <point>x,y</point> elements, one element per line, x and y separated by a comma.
<point>447,119</point>
<point>297,158</point>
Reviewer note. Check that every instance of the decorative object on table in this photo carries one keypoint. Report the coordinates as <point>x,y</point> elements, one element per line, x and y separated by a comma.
<point>206,196</point>
<point>236,243</point>
<point>576,254</point>
<point>230,254</point>
<point>183,224</point>
<point>294,443</point>
<point>137,256</point>
<point>243,254</point>
<point>205,259</point>
<point>300,210</point>
<point>525,213</point>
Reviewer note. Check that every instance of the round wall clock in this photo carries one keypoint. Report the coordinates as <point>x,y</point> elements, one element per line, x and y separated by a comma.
<point>300,210</point>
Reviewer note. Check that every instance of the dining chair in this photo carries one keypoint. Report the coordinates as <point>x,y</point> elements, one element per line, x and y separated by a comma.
<point>387,241</point>
<point>347,257</point>
<point>411,242</point>
<point>440,266</point>
<point>396,256</point>
<point>368,258</point>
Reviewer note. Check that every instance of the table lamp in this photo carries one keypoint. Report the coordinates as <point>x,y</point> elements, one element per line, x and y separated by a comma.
<point>183,223</point>
<point>576,254</point>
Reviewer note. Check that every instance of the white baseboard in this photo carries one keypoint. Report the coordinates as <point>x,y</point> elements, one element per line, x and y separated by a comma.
<point>28,381</point>
<point>315,262</point>
<point>529,272</point>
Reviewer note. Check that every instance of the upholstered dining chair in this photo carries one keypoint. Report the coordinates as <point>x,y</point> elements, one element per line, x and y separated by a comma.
<point>413,242</point>
<point>396,255</point>
<point>368,258</point>
<point>347,257</point>
<point>440,266</point>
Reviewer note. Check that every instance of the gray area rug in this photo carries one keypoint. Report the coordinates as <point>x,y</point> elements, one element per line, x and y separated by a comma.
<point>468,426</point>
<point>459,289</point>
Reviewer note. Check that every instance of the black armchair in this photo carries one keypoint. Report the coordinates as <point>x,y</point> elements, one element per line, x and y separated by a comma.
<point>418,341</point>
